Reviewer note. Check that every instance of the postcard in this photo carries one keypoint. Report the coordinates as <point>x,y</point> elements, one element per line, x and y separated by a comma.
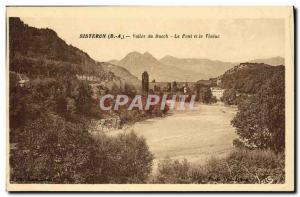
<point>164,99</point>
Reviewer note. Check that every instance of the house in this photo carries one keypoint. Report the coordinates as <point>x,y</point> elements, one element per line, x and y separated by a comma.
<point>217,92</point>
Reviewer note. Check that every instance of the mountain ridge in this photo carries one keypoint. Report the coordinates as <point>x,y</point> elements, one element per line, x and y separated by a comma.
<point>182,69</point>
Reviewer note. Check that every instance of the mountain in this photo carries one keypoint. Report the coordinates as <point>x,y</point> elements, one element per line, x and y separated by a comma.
<point>208,68</point>
<point>137,63</point>
<point>121,72</point>
<point>274,61</point>
<point>171,68</point>
<point>134,59</point>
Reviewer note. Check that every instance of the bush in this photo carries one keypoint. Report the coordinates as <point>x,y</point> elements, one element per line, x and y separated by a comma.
<point>241,166</point>
<point>257,166</point>
<point>173,172</point>
<point>50,150</point>
<point>124,158</point>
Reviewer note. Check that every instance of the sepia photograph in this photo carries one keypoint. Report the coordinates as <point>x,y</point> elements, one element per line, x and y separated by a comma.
<point>150,98</point>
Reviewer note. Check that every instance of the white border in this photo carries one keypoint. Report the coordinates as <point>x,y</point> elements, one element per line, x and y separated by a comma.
<point>3,3</point>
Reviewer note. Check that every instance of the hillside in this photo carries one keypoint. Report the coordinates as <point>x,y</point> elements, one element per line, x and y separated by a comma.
<point>249,77</point>
<point>41,53</point>
<point>121,73</point>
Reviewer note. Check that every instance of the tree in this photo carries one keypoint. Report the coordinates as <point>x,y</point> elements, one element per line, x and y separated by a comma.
<point>229,97</point>
<point>169,87</point>
<point>61,106</point>
<point>129,90</point>
<point>115,89</point>
<point>145,82</point>
<point>24,105</point>
<point>260,122</point>
<point>207,98</point>
<point>84,98</point>
<point>203,94</point>
<point>174,86</point>
<point>156,88</point>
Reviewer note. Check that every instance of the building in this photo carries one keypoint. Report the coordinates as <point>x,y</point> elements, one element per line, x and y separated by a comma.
<point>217,92</point>
<point>88,78</point>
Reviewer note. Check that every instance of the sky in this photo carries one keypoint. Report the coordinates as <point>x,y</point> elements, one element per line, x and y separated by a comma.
<point>240,39</point>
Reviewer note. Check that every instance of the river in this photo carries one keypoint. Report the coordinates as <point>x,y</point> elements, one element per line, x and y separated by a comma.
<point>195,135</point>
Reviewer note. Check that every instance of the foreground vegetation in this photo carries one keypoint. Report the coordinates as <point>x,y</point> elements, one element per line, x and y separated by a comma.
<point>54,151</point>
<point>241,166</point>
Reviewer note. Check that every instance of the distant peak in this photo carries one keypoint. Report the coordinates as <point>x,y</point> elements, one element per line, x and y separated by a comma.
<point>147,53</point>
<point>134,53</point>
